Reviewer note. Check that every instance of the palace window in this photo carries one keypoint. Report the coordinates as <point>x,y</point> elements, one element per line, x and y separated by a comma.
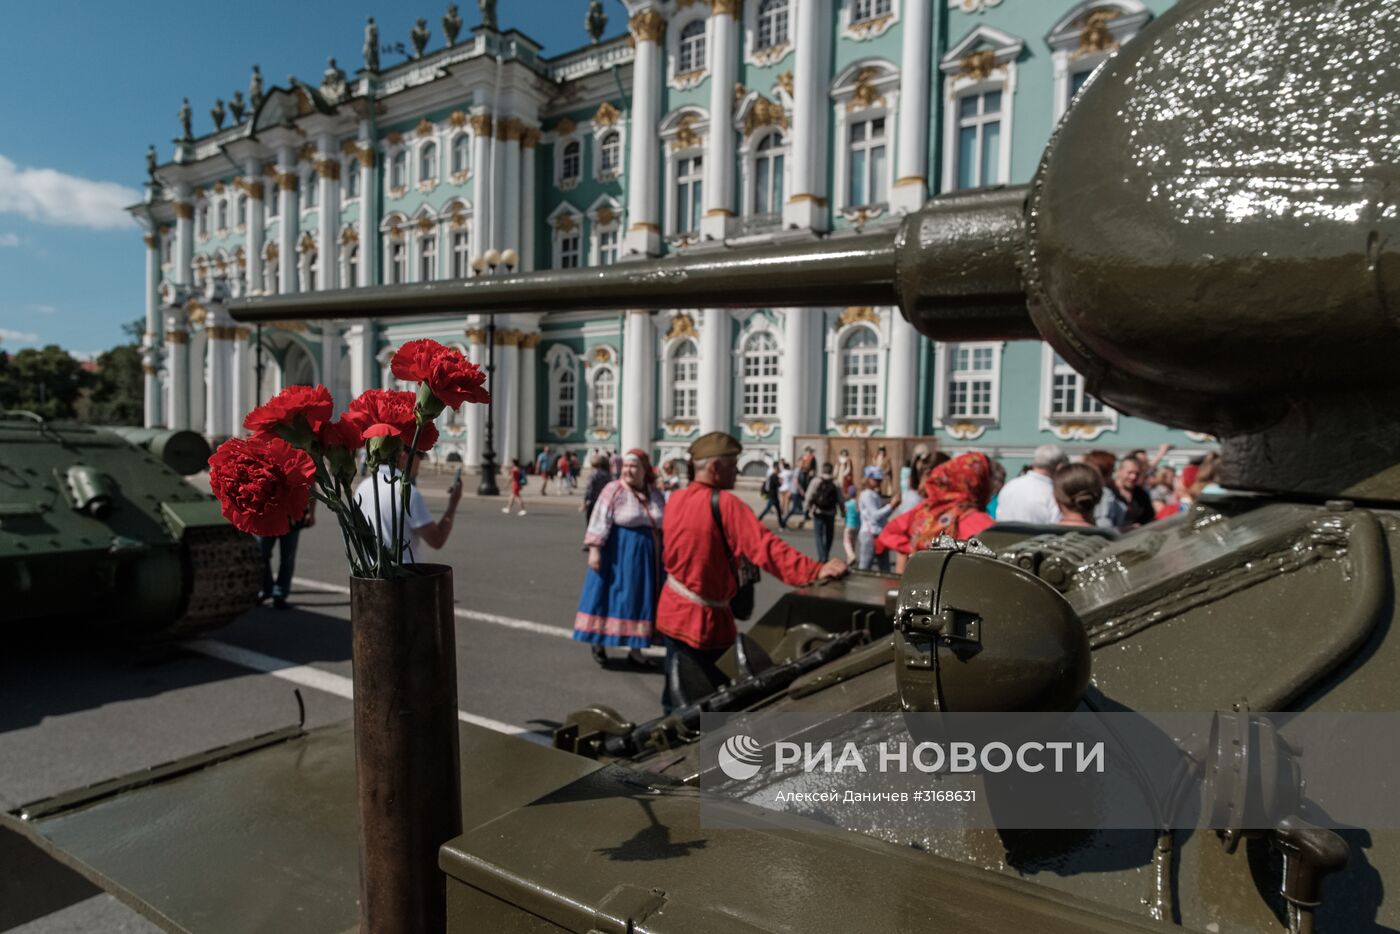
<point>768,175</point>
<point>866,168</point>
<point>760,377</point>
<point>272,195</point>
<point>685,380</point>
<point>972,373</point>
<point>568,249</point>
<point>604,399</point>
<point>860,374</point>
<point>242,213</point>
<point>201,220</point>
<point>223,214</point>
<point>979,139</point>
<point>427,258</point>
<point>350,172</point>
<point>1068,398</point>
<point>772,24</point>
<point>691,54</point>
<point>607,247</point>
<point>398,170</point>
<point>309,269</point>
<point>272,283</point>
<point>571,164</point>
<point>690,176</point>
<point>398,262</point>
<point>428,164</point>
<point>461,254</point>
<point>461,153</point>
<point>167,248</point>
<point>862,10</point>
<point>352,265</point>
<point>610,154</point>
<point>308,190</point>
<point>565,390</point>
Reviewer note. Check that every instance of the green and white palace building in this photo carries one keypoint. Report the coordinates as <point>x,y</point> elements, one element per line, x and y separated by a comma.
<point>710,125</point>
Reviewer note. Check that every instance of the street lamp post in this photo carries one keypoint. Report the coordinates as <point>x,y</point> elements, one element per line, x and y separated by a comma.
<point>489,468</point>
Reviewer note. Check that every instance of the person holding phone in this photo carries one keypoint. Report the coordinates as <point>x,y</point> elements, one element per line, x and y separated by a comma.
<point>419,526</point>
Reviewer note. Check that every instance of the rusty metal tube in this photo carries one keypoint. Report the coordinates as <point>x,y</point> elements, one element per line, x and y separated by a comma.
<point>406,746</point>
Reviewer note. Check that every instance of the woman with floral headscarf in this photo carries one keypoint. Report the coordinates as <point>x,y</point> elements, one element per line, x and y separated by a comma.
<point>955,502</point>
<point>617,608</point>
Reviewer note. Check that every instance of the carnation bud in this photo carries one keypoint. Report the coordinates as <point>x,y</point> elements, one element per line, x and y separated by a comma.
<point>428,406</point>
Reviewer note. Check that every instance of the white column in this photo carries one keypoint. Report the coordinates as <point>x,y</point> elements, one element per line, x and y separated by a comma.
<point>256,189</point>
<point>369,214</point>
<point>719,148</point>
<point>806,207</point>
<point>237,368</point>
<point>481,184</point>
<point>529,341</point>
<point>289,211</point>
<point>510,190</point>
<point>499,202</point>
<point>218,401</point>
<point>911,181</point>
<point>902,382</point>
<point>360,338</point>
<point>715,357</point>
<point>150,340</point>
<point>528,141</point>
<point>507,397</point>
<point>475,421</point>
<point>328,239</point>
<point>177,364</point>
<point>330,360</point>
<point>644,234</point>
<point>796,392</point>
<point>636,394</point>
<point>184,233</point>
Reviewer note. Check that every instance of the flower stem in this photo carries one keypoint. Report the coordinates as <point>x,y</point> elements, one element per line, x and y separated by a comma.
<point>378,527</point>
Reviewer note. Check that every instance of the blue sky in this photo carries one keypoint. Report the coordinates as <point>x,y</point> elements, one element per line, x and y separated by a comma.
<point>90,84</point>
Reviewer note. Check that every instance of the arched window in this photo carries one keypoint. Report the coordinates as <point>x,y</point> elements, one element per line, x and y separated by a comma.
<point>398,261</point>
<point>352,266</point>
<point>461,153</point>
<point>772,24</point>
<point>428,163</point>
<point>690,178</point>
<point>685,380</point>
<point>427,257</point>
<point>610,154</point>
<point>862,10</point>
<point>308,190</point>
<point>201,221</point>
<point>866,162</point>
<point>398,170</point>
<point>860,374</point>
<point>309,269</point>
<point>604,400</point>
<point>272,283</point>
<point>571,164</point>
<point>691,55</point>
<point>760,375</point>
<point>768,175</point>
<point>242,213</point>
<point>351,188</point>
<point>565,390</point>
<point>461,254</point>
<point>223,214</point>
<point>272,195</point>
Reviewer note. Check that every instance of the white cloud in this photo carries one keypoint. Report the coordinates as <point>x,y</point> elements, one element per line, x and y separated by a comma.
<point>55,198</point>
<point>43,309</point>
<point>9,239</point>
<point>18,337</point>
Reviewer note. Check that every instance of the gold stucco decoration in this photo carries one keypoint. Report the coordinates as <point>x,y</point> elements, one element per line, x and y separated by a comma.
<point>481,124</point>
<point>606,115</point>
<point>686,137</point>
<point>647,26</point>
<point>457,118</point>
<point>764,113</point>
<point>565,127</point>
<point>857,313</point>
<point>1094,34</point>
<point>424,128</point>
<point>866,94</point>
<point>565,223</point>
<point>682,325</point>
<point>978,65</point>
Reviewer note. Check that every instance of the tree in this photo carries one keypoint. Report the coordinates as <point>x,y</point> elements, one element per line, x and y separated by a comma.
<point>47,382</point>
<point>119,388</point>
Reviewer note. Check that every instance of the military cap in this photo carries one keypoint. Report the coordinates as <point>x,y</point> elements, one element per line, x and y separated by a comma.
<point>715,444</point>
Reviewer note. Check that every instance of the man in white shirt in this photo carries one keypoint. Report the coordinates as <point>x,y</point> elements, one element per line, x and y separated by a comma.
<point>418,525</point>
<point>1031,496</point>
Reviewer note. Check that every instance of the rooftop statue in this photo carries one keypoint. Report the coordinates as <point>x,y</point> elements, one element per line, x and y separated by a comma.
<point>186,115</point>
<point>151,161</point>
<point>419,36</point>
<point>451,24</point>
<point>334,87</point>
<point>596,22</point>
<point>255,91</point>
<point>236,106</point>
<point>371,46</point>
<point>217,112</point>
<point>488,13</point>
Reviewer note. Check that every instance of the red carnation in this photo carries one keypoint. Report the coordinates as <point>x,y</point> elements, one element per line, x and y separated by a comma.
<point>279,417</point>
<point>343,433</point>
<point>414,361</point>
<point>391,407</point>
<point>454,379</point>
<point>382,430</point>
<point>263,483</point>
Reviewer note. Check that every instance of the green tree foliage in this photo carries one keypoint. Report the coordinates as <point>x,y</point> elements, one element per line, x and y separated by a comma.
<point>118,389</point>
<point>47,382</point>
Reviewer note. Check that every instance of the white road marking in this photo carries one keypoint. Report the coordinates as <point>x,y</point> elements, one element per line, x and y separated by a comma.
<point>326,681</point>
<point>508,622</point>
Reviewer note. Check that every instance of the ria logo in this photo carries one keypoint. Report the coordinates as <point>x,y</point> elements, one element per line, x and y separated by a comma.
<point>740,757</point>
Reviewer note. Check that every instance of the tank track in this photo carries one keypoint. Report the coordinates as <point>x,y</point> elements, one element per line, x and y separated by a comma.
<point>224,578</point>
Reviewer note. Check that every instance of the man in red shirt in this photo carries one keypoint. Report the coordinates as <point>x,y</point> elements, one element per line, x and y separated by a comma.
<point>693,615</point>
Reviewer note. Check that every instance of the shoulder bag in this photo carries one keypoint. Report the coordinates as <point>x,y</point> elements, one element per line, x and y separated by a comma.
<point>746,573</point>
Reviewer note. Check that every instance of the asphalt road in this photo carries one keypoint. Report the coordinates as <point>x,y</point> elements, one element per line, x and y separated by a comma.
<point>76,708</point>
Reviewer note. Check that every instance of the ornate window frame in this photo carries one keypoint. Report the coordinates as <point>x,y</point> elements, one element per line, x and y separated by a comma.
<point>683,134</point>
<point>965,428</point>
<point>755,119</point>
<point>682,327</point>
<point>565,133</point>
<point>970,70</point>
<point>455,218</point>
<point>455,175</point>
<point>1080,46</point>
<point>394,149</point>
<point>559,360</point>
<point>600,137</point>
<point>603,358</point>
<point>865,90</point>
<point>308,189</point>
<point>425,229</point>
<point>565,222</point>
<point>773,54</point>
<point>309,270</point>
<point>864,30</point>
<point>758,322</point>
<point>847,321</point>
<point>1082,425</point>
<point>683,18</point>
<point>394,230</point>
<point>271,270</point>
<point>349,242</point>
<point>604,216</point>
<point>427,183</point>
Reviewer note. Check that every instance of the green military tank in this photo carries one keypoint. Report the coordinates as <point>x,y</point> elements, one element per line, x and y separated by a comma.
<point>1211,239</point>
<point>110,507</point>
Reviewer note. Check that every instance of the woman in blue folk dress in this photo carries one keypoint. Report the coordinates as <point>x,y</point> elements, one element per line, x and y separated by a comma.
<point>617,608</point>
